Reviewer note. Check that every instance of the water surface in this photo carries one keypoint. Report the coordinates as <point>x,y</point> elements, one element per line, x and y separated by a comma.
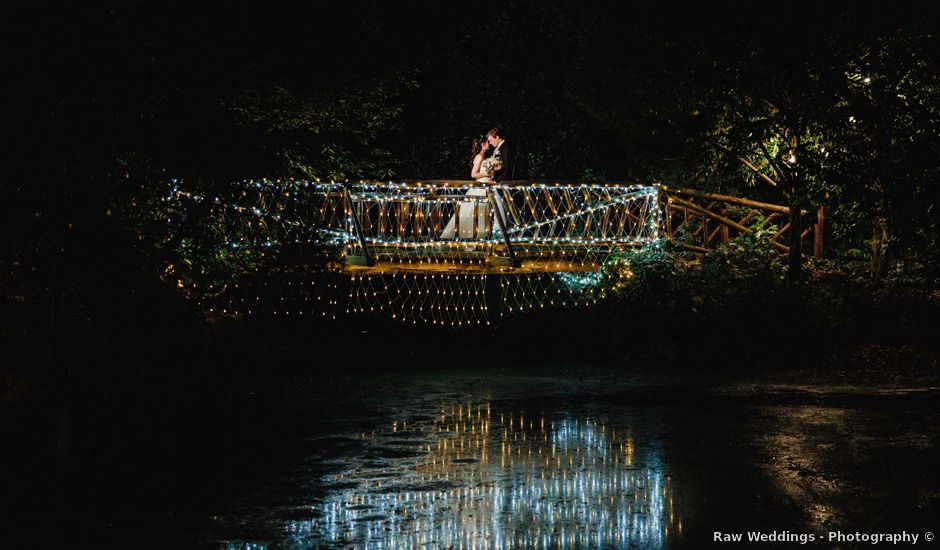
<point>541,459</point>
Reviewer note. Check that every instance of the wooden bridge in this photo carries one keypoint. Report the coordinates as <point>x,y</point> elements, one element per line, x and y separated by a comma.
<point>462,253</point>
<point>470,227</point>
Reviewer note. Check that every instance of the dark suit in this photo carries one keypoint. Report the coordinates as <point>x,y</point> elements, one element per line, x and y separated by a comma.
<point>505,158</point>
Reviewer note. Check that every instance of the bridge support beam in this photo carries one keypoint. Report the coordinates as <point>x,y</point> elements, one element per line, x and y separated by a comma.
<point>365,259</point>
<point>503,261</point>
<point>510,259</point>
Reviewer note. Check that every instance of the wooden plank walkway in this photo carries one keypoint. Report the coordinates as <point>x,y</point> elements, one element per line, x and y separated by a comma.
<point>471,268</point>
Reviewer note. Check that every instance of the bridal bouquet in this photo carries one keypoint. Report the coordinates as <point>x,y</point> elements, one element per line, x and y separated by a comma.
<point>491,164</point>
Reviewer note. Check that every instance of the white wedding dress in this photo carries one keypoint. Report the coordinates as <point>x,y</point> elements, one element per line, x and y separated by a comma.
<point>466,210</point>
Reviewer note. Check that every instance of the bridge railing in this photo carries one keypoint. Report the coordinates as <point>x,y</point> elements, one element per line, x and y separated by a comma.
<point>538,213</point>
<point>471,219</point>
<point>700,221</point>
<point>501,220</point>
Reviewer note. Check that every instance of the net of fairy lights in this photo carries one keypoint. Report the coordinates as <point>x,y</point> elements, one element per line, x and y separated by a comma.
<point>467,299</point>
<point>253,247</point>
<point>430,245</point>
<point>571,226</point>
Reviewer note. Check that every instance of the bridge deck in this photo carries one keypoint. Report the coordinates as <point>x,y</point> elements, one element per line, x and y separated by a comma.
<point>470,268</point>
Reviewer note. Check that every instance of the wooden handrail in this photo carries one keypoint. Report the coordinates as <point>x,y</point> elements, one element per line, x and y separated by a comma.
<point>519,183</point>
<point>732,200</point>
<point>722,219</point>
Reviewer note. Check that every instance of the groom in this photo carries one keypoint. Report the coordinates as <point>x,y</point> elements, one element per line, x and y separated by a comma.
<point>503,151</point>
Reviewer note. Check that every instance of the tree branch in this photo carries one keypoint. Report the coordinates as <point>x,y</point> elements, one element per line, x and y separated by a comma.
<point>746,163</point>
<point>770,160</point>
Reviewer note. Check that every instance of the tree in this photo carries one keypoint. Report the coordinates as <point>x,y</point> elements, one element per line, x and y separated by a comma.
<point>884,139</point>
<point>821,106</point>
<point>332,134</point>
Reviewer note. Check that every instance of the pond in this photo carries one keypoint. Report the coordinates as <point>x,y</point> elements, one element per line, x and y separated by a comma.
<point>586,457</point>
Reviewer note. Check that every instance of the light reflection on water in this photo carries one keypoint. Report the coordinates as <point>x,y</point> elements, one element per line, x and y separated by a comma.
<point>475,478</point>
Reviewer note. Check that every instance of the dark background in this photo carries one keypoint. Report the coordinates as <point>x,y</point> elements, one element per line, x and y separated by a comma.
<point>110,369</point>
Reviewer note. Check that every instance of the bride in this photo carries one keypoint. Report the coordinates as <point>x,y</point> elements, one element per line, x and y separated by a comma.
<point>481,170</point>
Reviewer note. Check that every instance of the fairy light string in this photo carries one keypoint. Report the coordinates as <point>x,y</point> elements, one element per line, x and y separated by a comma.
<point>432,245</point>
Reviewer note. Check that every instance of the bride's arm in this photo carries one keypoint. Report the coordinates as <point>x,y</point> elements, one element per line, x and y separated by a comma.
<point>475,172</point>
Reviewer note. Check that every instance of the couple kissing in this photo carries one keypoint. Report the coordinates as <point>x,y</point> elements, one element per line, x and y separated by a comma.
<point>492,158</point>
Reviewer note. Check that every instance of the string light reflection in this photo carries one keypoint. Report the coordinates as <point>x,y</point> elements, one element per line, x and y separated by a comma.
<point>477,478</point>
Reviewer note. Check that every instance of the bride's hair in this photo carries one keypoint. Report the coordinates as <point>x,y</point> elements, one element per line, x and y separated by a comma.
<point>477,144</point>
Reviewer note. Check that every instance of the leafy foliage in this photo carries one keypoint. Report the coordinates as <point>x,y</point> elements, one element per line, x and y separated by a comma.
<point>331,134</point>
<point>746,259</point>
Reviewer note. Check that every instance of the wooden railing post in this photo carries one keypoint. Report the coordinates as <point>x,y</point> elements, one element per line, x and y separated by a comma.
<point>818,234</point>
<point>365,259</point>
<point>510,259</point>
<point>667,212</point>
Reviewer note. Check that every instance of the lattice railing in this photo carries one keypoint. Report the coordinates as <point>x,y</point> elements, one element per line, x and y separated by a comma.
<point>589,215</point>
<point>470,218</point>
<point>543,213</point>
<point>455,221</point>
<point>396,220</point>
<point>701,221</point>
